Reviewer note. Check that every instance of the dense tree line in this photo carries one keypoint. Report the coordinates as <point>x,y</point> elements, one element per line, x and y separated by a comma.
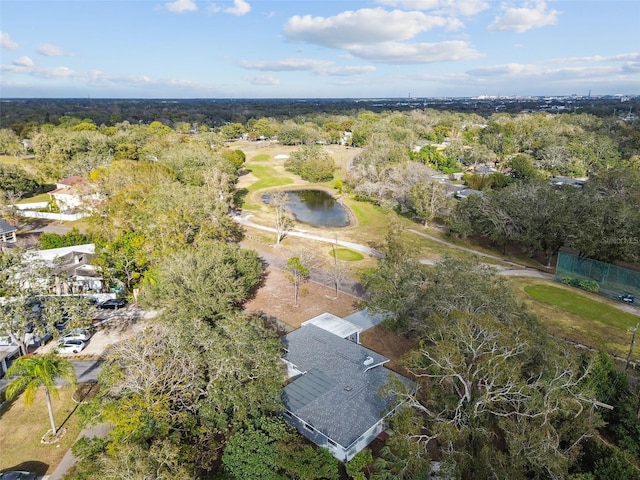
<point>600,221</point>
<point>496,397</point>
<point>22,114</point>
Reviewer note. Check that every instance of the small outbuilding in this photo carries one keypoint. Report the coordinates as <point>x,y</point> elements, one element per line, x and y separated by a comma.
<point>336,325</point>
<point>7,232</point>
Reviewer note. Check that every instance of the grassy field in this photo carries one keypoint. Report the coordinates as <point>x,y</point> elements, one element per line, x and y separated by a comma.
<point>8,160</point>
<point>346,255</point>
<point>268,177</point>
<point>22,428</point>
<point>29,165</point>
<point>43,197</point>
<point>579,316</point>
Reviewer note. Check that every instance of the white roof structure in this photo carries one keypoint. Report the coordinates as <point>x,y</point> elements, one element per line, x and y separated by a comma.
<point>51,254</point>
<point>336,325</point>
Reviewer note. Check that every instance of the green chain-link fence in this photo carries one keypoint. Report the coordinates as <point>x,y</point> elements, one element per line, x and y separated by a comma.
<point>606,279</point>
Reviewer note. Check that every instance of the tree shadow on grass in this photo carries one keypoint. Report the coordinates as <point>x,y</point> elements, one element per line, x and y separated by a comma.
<point>83,393</point>
<point>35,466</point>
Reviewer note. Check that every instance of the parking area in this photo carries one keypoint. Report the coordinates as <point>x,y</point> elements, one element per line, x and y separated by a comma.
<point>111,327</point>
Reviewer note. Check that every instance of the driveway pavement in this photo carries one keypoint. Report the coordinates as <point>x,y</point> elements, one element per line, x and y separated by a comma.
<point>69,458</point>
<point>112,326</point>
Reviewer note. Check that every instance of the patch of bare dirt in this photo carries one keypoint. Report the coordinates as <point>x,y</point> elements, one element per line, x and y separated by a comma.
<point>389,344</point>
<point>275,298</point>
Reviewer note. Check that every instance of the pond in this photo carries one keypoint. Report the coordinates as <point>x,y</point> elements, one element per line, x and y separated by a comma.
<point>316,208</point>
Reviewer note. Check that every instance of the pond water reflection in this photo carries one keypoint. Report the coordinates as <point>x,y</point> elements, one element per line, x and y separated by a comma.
<point>316,208</point>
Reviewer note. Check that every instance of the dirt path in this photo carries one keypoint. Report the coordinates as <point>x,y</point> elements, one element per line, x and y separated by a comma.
<point>244,220</point>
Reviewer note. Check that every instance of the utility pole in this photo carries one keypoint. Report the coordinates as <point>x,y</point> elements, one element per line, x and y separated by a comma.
<point>633,341</point>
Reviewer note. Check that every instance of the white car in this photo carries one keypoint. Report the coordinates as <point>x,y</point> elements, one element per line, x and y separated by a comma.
<point>83,334</point>
<point>71,345</point>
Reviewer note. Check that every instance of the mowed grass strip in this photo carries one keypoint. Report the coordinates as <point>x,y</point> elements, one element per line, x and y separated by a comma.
<point>346,255</point>
<point>23,427</point>
<point>583,306</point>
<point>573,315</point>
<point>268,177</point>
<point>43,197</point>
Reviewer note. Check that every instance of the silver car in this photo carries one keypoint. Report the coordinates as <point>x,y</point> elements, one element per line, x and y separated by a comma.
<point>71,345</point>
<point>83,334</point>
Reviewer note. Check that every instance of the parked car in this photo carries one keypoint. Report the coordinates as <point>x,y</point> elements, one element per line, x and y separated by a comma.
<point>627,298</point>
<point>113,303</point>
<point>61,324</point>
<point>17,475</point>
<point>71,345</point>
<point>83,334</point>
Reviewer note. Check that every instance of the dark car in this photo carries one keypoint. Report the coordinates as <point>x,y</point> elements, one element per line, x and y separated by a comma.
<point>17,475</point>
<point>113,303</point>
<point>627,298</point>
<point>61,324</point>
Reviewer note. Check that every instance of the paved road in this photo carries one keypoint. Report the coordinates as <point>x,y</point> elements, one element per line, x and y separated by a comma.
<point>86,371</point>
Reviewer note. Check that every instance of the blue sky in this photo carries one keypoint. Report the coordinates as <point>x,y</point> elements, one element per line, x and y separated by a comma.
<point>326,48</point>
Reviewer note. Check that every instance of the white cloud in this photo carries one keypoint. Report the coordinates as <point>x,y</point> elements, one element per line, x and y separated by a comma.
<point>6,42</point>
<point>51,72</point>
<point>365,26</point>
<point>349,71</point>
<point>415,53</point>
<point>450,7</point>
<point>23,62</point>
<point>180,6</point>
<point>531,73</point>
<point>376,34</point>
<point>621,57</point>
<point>505,69</point>
<point>263,80</point>
<point>287,65</point>
<point>531,15</point>
<point>49,50</point>
<point>319,67</point>
<point>240,7</point>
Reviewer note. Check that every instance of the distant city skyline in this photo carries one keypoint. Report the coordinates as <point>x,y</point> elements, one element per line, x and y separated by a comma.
<point>318,49</point>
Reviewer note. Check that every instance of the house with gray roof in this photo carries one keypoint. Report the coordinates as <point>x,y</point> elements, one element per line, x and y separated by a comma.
<point>333,396</point>
<point>573,182</point>
<point>7,232</point>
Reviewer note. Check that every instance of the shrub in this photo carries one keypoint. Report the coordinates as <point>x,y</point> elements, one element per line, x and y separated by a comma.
<point>312,163</point>
<point>589,285</point>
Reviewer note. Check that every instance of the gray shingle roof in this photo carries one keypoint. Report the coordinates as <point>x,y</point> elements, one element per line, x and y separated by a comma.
<point>338,394</point>
<point>6,228</point>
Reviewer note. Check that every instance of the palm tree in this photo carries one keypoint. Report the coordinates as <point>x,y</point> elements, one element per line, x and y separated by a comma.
<point>36,371</point>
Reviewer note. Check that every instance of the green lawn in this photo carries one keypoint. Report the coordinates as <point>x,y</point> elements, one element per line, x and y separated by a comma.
<point>23,427</point>
<point>578,304</point>
<point>9,160</point>
<point>578,316</point>
<point>43,197</point>
<point>268,178</point>
<point>346,255</point>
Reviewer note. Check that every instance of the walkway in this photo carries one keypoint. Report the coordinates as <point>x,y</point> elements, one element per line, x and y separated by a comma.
<point>324,278</point>
<point>244,220</point>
